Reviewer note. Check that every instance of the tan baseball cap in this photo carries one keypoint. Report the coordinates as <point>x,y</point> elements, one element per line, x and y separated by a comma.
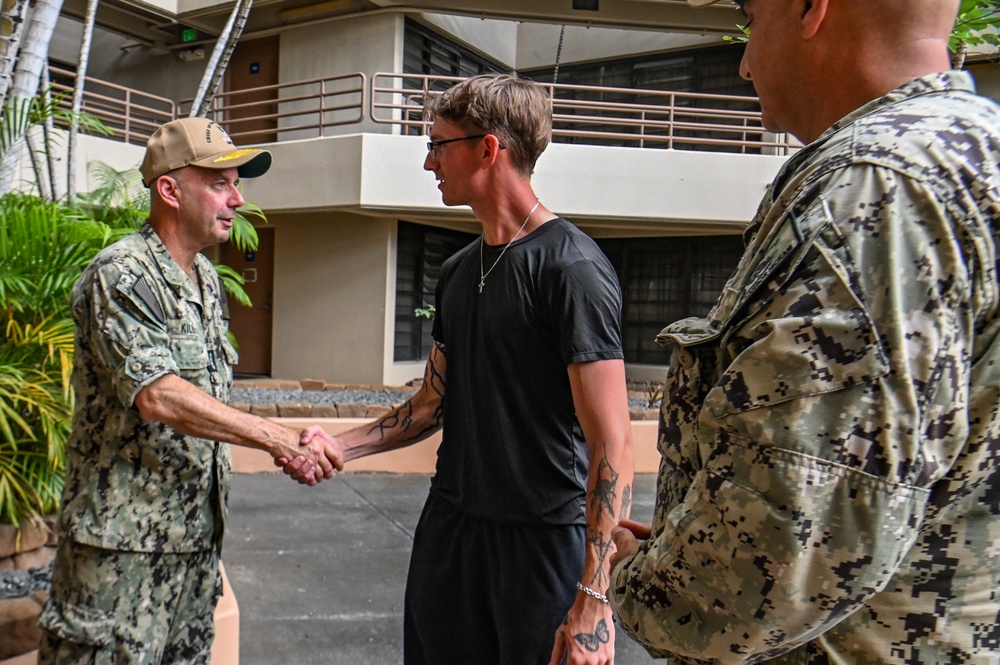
<point>198,142</point>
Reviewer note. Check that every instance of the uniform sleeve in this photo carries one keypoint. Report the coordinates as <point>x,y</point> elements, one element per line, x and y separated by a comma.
<point>841,398</point>
<point>126,317</point>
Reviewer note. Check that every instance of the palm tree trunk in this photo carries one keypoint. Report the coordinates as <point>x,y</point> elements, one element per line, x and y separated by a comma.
<point>81,76</point>
<point>34,51</point>
<point>31,58</point>
<point>217,64</point>
<point>958,57</point>
<point>11,28</point>
<point>48,132</point>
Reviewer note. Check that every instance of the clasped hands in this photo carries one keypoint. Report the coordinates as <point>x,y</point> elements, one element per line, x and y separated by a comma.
<point>319,455</point>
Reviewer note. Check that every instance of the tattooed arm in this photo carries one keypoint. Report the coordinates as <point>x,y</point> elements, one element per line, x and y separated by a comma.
<point>405,425</point>
<point>601,401</point>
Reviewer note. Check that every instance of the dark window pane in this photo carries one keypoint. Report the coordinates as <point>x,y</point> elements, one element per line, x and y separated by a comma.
<point>664,280</point>
<point>420,251</point>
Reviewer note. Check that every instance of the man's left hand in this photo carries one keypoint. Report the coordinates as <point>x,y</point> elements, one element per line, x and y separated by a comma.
<point>587,635</point>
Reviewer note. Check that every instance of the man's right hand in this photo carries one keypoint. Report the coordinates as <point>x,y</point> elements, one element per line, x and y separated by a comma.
<point>321,456</point>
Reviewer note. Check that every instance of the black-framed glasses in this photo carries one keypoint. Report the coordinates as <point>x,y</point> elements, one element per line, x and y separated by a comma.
<point>431,145</point>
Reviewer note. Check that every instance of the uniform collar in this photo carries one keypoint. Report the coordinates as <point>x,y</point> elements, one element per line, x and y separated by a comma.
<point>173,273</point>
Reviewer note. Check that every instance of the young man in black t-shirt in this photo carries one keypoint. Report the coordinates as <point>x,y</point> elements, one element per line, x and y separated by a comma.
<point>510,557</point>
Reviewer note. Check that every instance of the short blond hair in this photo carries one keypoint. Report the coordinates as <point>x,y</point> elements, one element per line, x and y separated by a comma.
<point>517,111</point>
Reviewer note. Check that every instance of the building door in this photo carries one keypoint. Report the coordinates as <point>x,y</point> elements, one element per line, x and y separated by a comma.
<point>250,110</point>
<point>253,325</point>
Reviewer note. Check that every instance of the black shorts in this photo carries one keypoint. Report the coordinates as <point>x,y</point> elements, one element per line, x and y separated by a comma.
<point>484,592</point>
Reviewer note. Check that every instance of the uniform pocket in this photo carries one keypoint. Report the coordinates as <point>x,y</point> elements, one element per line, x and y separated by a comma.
<point>814,335</point>
<point>78,624</point>
<point>191,357</point>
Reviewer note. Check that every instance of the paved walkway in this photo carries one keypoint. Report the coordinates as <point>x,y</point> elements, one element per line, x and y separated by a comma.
<point>318,573</point>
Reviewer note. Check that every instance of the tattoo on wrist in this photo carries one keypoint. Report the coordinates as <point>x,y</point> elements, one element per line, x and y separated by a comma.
<point>602,546</point>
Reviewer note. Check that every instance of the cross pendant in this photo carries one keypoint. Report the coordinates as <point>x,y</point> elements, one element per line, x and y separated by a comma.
<point>482,283</point>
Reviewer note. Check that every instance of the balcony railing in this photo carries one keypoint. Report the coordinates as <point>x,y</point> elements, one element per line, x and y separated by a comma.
<point>312,108</point>
<point>132,115</point>
<point>301,109</point>
<point>597,115</point>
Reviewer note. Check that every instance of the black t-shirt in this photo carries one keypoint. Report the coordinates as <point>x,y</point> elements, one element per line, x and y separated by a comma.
<point>512,449</point>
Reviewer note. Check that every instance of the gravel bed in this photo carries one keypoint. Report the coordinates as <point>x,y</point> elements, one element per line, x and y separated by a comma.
<point>21,583</point>
<point>273,396</point>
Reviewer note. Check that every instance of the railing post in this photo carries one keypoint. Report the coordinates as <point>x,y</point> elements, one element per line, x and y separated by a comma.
<point>128,116</point>
<point>673,119</point>
<point>321,121</point>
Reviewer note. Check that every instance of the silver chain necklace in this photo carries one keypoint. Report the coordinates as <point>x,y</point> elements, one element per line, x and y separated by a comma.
<point>484,275</point>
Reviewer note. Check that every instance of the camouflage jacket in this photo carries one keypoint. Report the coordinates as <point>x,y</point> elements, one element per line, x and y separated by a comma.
<point>134,485</point>
<point>829,489</point>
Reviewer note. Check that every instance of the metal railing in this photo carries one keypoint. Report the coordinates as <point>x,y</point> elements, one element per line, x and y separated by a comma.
<point>605,116</point>
<point>132,115</point>
<point>311,108</point>
<point>285,111</point>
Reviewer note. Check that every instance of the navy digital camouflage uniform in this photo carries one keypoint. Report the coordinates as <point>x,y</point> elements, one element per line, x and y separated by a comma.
<point>144,507</point>
<point>829,489</point>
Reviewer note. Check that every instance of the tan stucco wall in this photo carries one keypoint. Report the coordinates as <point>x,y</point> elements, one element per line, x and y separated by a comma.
<point>330,296</point>
<point>365,44</point>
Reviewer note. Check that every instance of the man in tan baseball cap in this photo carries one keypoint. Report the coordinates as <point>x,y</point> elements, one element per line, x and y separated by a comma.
<point>199,142</point>
<point>148,464</point>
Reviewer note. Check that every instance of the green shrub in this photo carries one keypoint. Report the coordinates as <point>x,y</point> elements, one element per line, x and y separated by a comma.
<point>44,247</point>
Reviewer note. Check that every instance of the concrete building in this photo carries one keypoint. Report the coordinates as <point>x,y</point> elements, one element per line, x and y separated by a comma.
<point>658,153</point>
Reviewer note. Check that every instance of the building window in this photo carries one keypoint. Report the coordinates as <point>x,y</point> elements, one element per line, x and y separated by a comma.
<point>664,280</point>
<point>420,251</point>
<point>433,54</point>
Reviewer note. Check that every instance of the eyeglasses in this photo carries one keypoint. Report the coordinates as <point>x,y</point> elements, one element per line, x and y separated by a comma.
<point>431,145</point>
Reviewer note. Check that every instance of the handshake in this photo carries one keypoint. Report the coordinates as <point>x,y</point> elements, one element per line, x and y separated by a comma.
<point>315,459</point>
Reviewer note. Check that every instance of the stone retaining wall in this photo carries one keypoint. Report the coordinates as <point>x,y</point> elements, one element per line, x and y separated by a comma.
<point>32,547</point>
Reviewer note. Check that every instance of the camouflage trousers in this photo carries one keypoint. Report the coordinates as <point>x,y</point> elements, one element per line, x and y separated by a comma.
<point>134,608</point>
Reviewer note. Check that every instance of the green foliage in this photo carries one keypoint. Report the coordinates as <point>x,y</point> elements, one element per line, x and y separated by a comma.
<point>977,24</point>
<point>425,312</point>
<point>44,247</point>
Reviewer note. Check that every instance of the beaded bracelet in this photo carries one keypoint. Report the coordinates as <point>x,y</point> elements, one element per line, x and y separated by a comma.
<point>590,592</point>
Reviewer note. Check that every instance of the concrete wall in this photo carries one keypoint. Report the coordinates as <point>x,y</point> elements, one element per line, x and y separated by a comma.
<point>617,191</point>
<point>119,156</point>
<point>330,296</point>
<point>537,44</point>
<point>523,46</point>
<point>115,59</point>
<point>366,44</point>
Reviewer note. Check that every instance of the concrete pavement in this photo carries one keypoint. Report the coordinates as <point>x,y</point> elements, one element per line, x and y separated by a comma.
<point>318,573</point>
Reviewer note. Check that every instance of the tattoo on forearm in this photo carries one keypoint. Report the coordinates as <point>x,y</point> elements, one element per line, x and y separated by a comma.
<point>602,545</point>
<point>626,502</point>
<point>402,416</point>
<point>593,641</point>
<point>605,490</point>
<point>433,377</point>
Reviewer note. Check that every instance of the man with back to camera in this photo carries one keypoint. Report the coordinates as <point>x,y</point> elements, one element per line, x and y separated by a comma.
<point>136,575</point>
<point>830,484</point>
<point>510,556</point>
